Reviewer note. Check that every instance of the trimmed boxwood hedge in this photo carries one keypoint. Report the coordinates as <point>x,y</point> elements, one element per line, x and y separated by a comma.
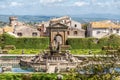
<point>25,43</point>
<point>93,43</point>
<point>75,43</point>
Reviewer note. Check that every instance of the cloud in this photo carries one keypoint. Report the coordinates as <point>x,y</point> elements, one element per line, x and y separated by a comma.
<point>81,3</point>
<point>50,1</point>
<point>14,4</point>
<point>59,6</point>
<point>105,4</point>
<point>10,4</point>
<point>109,4</point>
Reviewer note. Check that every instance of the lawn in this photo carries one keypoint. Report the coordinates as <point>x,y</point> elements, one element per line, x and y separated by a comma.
<point>73,51</point>
<point>87,51</point>
<point>25,51</point>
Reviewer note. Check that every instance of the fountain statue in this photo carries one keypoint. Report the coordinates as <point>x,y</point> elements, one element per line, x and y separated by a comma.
<point>56,59</point>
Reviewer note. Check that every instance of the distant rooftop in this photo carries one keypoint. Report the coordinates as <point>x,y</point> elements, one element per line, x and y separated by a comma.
<point>61,18</point>
<point>104,24</point>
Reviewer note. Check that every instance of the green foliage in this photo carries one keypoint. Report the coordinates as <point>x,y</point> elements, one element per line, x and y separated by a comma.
<point>35,76</point>
<point>75,43</point>
<point>93,43</point>
<point>10,76</point>
<point>71,76</point>
<point>87,51</point>
<point>82,43</point>
<point>25,51</point>
<point>25,43</point>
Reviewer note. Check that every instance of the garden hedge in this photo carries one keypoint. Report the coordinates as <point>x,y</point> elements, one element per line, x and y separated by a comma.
<point>24,43</point>
<point>93,43</point>
<point>75,43</point>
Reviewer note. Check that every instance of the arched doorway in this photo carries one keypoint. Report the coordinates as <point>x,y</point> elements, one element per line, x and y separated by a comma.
<point>58,40</point>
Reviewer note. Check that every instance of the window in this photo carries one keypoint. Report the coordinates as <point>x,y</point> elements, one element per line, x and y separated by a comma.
<point>19,34</point>
<point>98,32</point>
<point>34,34</point>
<point>75,25</point>
<point>40,30</point>
<point>68,32</point>
<point>75,32</point>
<point>117,31</point>
<point>111,30</point>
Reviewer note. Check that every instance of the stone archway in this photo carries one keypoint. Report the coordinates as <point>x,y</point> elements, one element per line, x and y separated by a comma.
<point>58,33</point>
<point>58,40</point>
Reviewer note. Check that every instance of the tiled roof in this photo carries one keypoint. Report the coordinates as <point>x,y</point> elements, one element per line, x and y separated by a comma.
<point>25,27</point>
<point>57,19</point>
<point>8,29</point>
<point>104,24</point>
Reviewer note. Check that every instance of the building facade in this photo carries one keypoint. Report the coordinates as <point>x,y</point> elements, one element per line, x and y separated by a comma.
<point>102,28</point>
<point>58,34</point>
<point>26,31</point>
<point>20,29</point>
<point>74,28</point>
<point>41,27</point>
<point>13,21</point>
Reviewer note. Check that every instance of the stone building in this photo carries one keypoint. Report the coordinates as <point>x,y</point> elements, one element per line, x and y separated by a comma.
<point>102,28</point>
<point>63,20</point>
<point>20,29</point>
<point>13,21</point>
<point>42,28</point>
<point>58,33</point>
<point>26,31</point>
<point>74,28</point>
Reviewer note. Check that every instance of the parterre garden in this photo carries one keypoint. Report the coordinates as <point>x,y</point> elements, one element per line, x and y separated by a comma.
<point>78,46</point>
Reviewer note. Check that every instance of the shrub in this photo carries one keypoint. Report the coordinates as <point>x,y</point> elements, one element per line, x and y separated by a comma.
<point>82,43</point>
<point>75,43</point>
<point>25,43</point>
<point>112,41</point>
<point>8,47</point>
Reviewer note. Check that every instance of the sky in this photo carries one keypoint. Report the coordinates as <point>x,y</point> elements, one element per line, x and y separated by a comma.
<point>59,7</point>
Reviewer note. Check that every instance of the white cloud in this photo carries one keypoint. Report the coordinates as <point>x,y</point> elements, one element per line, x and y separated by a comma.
<point>108,4</point>
<point>93,1</point>
<point>81,3</point>
<point>13,4</point>
<point>50,1</point>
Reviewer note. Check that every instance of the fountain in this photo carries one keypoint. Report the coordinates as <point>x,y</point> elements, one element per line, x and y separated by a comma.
<point>58,58</point>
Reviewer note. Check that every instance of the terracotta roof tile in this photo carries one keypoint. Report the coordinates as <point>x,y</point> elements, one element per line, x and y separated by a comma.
<point>104,24</point>
<point>8,29</point>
